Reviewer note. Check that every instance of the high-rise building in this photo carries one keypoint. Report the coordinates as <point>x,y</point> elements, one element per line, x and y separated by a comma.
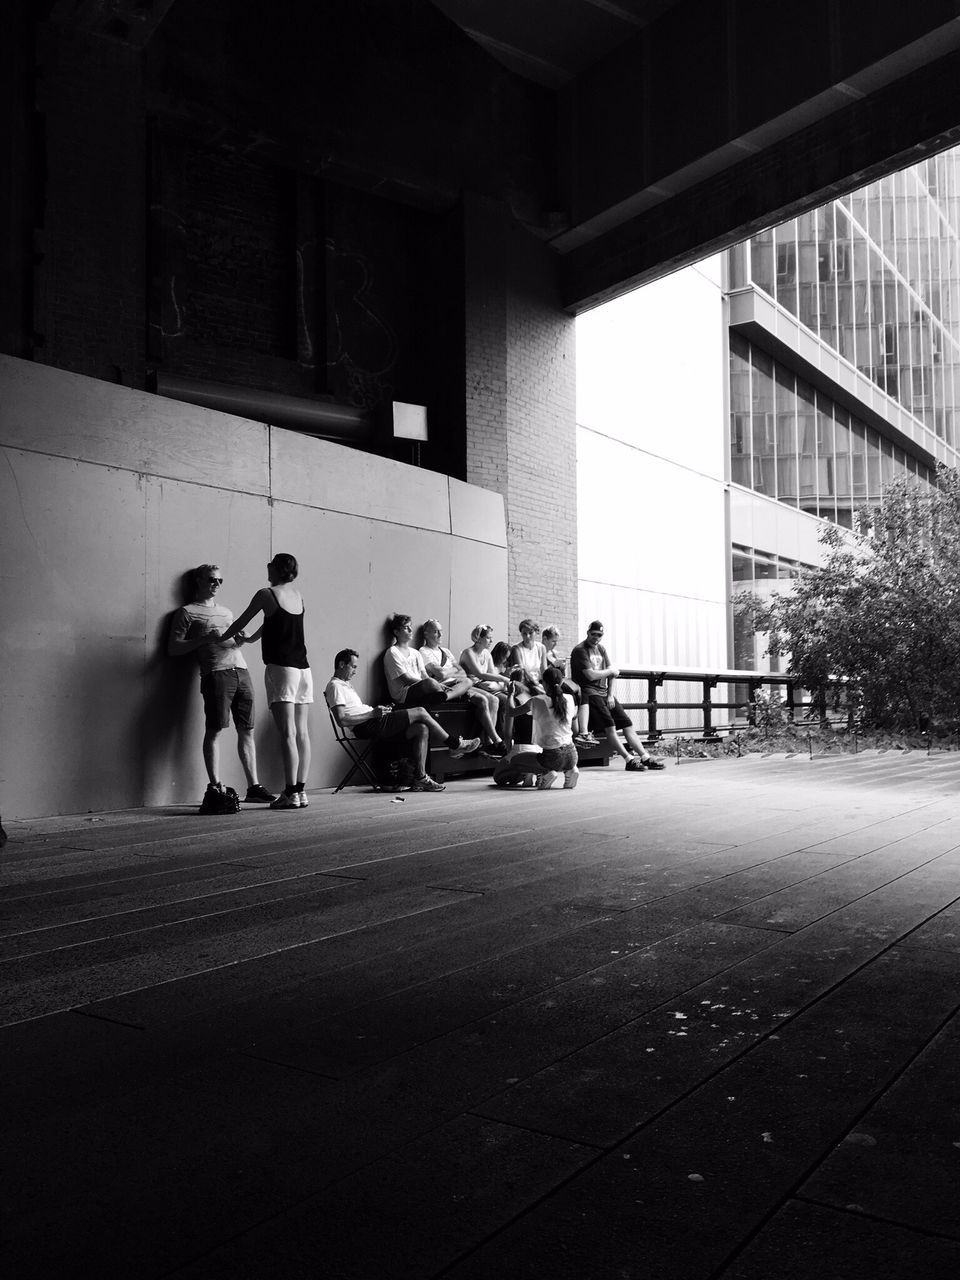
<point>838,335</point>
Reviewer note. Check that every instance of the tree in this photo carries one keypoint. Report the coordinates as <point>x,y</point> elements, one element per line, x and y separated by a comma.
<point>883,610</point>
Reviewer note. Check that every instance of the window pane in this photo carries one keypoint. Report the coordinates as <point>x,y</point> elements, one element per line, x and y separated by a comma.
<point>740,463</point>
<point>763,420</point>
<point>787,480</point>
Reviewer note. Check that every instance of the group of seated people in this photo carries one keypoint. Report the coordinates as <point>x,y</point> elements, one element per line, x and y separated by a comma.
<point>499,682</point>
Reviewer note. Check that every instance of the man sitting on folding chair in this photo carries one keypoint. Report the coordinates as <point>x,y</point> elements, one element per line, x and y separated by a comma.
<point>380,723</point>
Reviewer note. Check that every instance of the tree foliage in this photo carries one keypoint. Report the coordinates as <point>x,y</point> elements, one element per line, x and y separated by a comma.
<point>882,612</point>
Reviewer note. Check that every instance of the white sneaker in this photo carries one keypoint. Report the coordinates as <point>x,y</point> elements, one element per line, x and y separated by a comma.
<point>426,783</point>
<point>283,801</point>
<point>465,747</point>
<point>304,802</point>
<point>571,779</point>
<point>546,780</point>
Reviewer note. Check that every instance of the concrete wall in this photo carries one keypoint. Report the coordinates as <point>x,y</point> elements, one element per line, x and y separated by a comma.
<point>107,496</point>
<point>653,547</point>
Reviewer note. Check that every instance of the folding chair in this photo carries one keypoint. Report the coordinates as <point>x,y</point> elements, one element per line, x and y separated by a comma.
<point>357,750</point>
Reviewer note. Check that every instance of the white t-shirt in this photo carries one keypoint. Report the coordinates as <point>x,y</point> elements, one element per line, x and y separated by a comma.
<point>533,660</point>
<point>397,663</point>
<point>341,693</point>
<point>195,620</point>
<point>440,657</point>
<point>547,729</point>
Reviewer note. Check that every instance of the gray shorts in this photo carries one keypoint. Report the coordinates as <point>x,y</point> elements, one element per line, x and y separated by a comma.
<point>225,694</point>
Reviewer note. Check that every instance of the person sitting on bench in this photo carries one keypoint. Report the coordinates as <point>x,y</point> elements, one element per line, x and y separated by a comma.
<point>442,665</point>
<point>407,678</point>
<point>416,724</point>
<point>592,670</point>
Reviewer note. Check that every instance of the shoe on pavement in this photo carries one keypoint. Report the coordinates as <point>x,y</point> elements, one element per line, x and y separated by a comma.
<point>546,780</point>
<point>426,783</point>
<point>651,762</point>
<point>304,802</point>
<point>459,747</point>
<point>284,801</point>
<point>571,779</point>
<point>634,765</point>
<point>258,795</point>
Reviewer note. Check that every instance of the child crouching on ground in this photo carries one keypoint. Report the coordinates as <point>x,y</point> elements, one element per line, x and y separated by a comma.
<point>553,713</point>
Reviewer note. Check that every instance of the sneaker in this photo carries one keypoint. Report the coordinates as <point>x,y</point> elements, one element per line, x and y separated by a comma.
<point>651,762</point>
<point>459,747</point>
<point>304,802</point>
<point>426,783</point>
<point>283,801</point>
<point>584,740</point>
<point>571,779</point>
<point>496,750</point>
<point>546,780</point>
<point>258,795</point>
<point>634,765</point>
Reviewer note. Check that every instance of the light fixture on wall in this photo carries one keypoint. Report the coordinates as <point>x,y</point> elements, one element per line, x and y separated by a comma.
<point>410,423</point>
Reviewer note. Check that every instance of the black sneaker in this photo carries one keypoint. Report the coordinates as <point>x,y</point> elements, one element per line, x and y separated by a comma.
<point>258,795</point>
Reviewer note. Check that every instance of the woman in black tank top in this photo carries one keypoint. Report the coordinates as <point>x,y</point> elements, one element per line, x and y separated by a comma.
<point>286,673</point>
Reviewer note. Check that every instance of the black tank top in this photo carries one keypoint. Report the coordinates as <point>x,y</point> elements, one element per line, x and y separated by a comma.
<point>281,641</point>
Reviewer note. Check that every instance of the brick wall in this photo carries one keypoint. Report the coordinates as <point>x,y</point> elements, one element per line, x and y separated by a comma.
<point>521,410</point>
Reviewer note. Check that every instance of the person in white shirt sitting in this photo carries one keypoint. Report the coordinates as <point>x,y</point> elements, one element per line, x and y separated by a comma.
<point>441,665</point>
<point>416,724</point>
<point>530,655</point>
<point>407,678</point>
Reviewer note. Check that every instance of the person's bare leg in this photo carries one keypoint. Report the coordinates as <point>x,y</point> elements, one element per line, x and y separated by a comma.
<point>614,740</point>
<point>248,755</point>
<point>301,720</point>
<point>459,689</point>
<point>211,754</point>
<point>634,741</point>
<point>421,716</point>
<point>282,713</point>
<point>419,736</point>
<point>480,703</point>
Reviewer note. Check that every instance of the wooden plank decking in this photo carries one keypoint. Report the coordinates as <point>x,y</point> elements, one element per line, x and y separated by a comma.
<point>694,1024</point>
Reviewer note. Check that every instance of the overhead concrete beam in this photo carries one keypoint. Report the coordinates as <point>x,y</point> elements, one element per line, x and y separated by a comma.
<point>721,118</point>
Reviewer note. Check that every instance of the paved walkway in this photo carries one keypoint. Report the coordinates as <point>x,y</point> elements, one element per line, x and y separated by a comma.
<point>702,1023</point>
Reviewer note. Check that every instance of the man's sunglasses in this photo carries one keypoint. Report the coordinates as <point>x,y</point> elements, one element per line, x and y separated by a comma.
<point>218,581</point>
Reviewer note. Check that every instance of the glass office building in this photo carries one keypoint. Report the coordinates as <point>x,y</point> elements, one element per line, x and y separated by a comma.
<point>844,363</point>
<point>726,411</point>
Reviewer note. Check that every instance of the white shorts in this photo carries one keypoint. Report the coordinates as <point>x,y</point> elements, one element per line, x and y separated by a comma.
<point>287,684</point>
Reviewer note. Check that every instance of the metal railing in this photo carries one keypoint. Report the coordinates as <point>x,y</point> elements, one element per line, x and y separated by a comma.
<point>825,706</point>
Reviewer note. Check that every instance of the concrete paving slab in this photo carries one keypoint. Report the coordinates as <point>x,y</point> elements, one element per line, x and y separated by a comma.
<point>901,1162</point>
<point>808,1242</point>
<point>727,1155</point>
<point>362,1227</point>
<point>601,1093</point>
<point>38,985</point>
